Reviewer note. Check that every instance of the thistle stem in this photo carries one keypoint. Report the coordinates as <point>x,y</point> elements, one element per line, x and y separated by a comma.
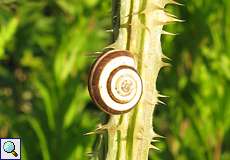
<point>139,31</point>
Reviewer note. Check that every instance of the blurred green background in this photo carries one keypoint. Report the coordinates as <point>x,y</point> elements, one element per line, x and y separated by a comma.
<point>44,64</point>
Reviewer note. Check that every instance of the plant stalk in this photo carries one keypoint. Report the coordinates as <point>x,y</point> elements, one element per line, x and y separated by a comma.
<point>137,26</point>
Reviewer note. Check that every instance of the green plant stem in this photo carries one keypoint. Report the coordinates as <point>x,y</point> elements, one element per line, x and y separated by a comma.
<point>141,22</point>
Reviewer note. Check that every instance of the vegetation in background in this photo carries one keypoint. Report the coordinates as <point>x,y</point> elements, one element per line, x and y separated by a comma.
<point>44,68</point>
<point>44,49</point>
<point>196,121</point>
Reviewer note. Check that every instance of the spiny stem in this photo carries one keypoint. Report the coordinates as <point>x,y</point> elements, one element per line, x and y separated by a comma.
<point>138,30</point>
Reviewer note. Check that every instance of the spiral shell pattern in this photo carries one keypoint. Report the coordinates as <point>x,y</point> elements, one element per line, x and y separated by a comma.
<point>114,84</point>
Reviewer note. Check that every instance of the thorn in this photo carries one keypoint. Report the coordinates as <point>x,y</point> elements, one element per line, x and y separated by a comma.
<point>168,33</point>
<point>165,57</point>
<point>173,19</point>
<point>99,130</point>
<point>102,127</point>
<point>175,2</point>
<point>162,96</point>
<point>165,2</point>
<point>91,154</point>
<point>154,147</point>
<point>109,30</point>
<point>98,52</point>
<point>155,140</point>
<point>170,15</point>
<point>90,133</point>
<point>161,102</point>
<point>155,135</point>
<point>167,20</point>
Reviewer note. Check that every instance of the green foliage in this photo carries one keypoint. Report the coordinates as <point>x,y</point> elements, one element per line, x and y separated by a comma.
<point>197,123</point>
<point>44,68</point>
<point>43,75</point>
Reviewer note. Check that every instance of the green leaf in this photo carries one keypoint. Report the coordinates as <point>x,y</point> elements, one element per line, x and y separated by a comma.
<point>47,100</point>
<point>77,105</point>
<point>41,137</point>
<point>6,34</point>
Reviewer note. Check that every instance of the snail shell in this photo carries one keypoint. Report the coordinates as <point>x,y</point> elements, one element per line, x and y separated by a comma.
<point>114,84</point>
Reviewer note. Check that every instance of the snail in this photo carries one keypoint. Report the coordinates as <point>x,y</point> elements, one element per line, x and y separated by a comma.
<point>114,83</point>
